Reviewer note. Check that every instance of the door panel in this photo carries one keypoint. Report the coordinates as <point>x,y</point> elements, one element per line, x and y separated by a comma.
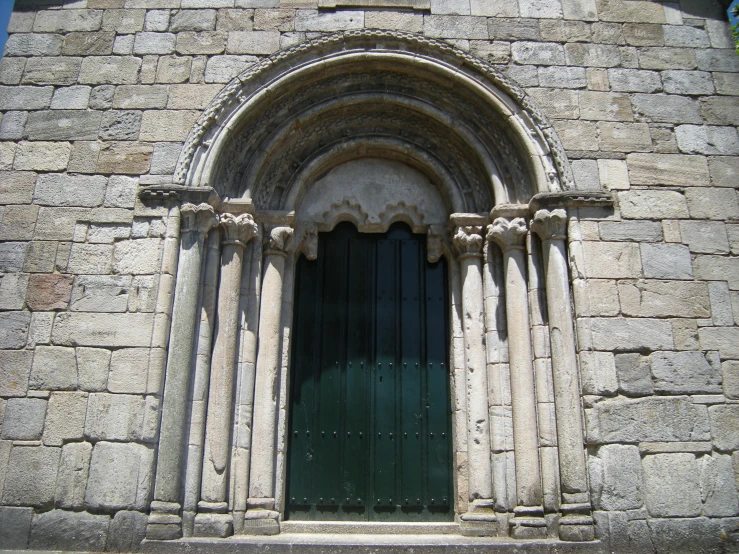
<point>369,434</point>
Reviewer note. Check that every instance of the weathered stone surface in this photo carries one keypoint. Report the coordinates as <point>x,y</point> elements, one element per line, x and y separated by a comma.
<point>140,96</point>
<point>129,368</point>
<point>71,98</point>
<point>127,531</point>
<point>596,297</point>
<point>63,125</point>
<point>695,139</point>
<point>717,268</point>
<point>15,369</point>
<point>611,260</point>
<point>652,204</point>
<point>92,368</point>
<point>60,529</point>
<point>117,70</point>
<point>24,418</point>
<point>13,290</point>
<point>634,80</point>
<point>685,372</point>
<point>120,476</point>
<point>667,169</point>
<point>705,237</point>
<point>50,21</point>
<point>666,261</point>
<point>713,203</point>
<point>312,20</point>
<point>598,373</point>
<point>634,376</point>
<point>103,293</point>
<point>724,171</point>
<point>167,125</point>
<point>54,368</point>
<point>25,98</point>
<point>18,222</point>
<point>42,156</point>
<point>36,44</point>
<point>65,417</point>
<point>72,477</point>
<point>221,69</point>
<point>650,419</point>
<point>117,417</point>
<point>90,329</point>
<point>15,525</point>
<point>724,430</point>
<point>672,485</point>
<point>51,71</point>
<point>666,108</point>
<point>616,476</point>
<point>664,299</point>
<point>628,334</point>
<point>586,174</point>
<point>731,378</point>
<point>31,476</point>
<point>141,256</point>
<point>592,55</point>
<point>120,125</point>
<point>14,329</point>
<point>193,20</point>
<point>206,42</point>
<point>125,158</point>
<point>90,259</point>
<point>718,486</point>
<point>636,231</point>
<point>557,104</point>
<point>538,53</point>
<point>687,82</point>
<point>88,44</point>
<point>16,187</point>
<point>48,291</point>
<point>12,255</point>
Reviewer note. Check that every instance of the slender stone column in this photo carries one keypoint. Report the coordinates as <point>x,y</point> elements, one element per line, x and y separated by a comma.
<point>261,518</point>
<point>480,518</point>
<point>165,521</point>
<point>529,521</point>
<point>577,523</point>
<point>237,231</point>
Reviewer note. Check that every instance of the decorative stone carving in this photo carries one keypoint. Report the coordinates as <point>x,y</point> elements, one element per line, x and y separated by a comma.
<point>308,244</point>
<point>198,217</point>
<point>550,225</point>
<point>467,241</point>
<point>238,229</point>
<point>508,234</point>
<point>342,211</point>
<point>402,212</point>
<point>435,243</point>
<point>277,241</point>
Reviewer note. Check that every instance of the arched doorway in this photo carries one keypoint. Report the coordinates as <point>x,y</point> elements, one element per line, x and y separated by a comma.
<point>369,437</point>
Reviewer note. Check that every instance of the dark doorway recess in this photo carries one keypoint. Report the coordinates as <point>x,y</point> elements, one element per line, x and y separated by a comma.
<point>370,433</point>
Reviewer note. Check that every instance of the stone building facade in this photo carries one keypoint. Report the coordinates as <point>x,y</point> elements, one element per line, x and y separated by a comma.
<point>165,165</point>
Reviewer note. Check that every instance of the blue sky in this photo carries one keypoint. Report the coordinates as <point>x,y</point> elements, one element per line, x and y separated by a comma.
<point>6,6</point>
<point>732,19</point>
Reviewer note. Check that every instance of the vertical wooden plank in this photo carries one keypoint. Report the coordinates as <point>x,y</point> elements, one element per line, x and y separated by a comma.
<point>411,428</point>
<point>438,411</point>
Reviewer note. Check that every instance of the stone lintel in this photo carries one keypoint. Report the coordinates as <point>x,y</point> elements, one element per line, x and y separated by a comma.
<point>666,447</point>
<point>569,199</point>
<point>411,4</point>
<point>275,218</point>
<point>236,206</point>
<point>468,220</point>
<point>158,194</point>
<point>509,211</point>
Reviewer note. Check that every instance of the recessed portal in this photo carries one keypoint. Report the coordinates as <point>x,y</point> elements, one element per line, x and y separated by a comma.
<point>370,431</point>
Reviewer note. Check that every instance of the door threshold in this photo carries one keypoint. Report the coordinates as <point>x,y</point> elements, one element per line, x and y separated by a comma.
<point>370,528</point>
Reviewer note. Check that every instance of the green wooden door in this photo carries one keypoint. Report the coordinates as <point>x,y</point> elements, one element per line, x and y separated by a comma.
<point>369,432</point>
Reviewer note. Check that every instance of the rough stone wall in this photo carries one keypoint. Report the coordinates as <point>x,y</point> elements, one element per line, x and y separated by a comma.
<point>97,97</point>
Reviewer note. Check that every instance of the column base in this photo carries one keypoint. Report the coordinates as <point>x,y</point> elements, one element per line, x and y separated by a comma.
<point>576,523</point>
<point>261,518</point>
<point>528,522</point>
<point>213,525</point>
<point>480,519</point>
<point>164,523</point>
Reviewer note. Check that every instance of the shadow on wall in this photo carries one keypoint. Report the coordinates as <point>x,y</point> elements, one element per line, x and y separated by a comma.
<point>707,9</point>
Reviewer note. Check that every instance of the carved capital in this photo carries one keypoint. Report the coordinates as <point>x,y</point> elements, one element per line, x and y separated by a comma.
<point>198,217</point>
<point>435,236</point>
<point>467,241</point>
<point>508,234</point>
<point>238,229</point>
<point>277,241</point>
<point>550,225</point>
<point>309,242</point>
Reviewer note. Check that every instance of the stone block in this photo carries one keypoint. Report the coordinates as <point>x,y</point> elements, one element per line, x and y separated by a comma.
<point>586,174</point>
<point>538,53</point>
<point>71,98</point>
<point>92,368</point>
<point>696,139</point>
<point>76,531</point>
<point>312,20</point>
<point>685,373</point>
<point>666,58</point>
<point>127,531</point>
<point>141,256</point>
<point>88,44</point>
<point>629,11</point>
<point>52,21</point>
<point>664,299</point>
<point>193,20</point>
<point>15,525</point>
<point>117,417</point>
<point>624,137</point>
<point>51,71</point>
<point>493,52</point>
<point>253,42</point>
<point>652,204</point>
<point>693,535</point>
<point>15,369</point>
<point>672,486</point>
<point>11,70</point>
<point>592,55</point>
<point>666,108</point>
<point>724,171</point>
<point>123,21</point>
<point>667,169</point>
<point>164,158</point>
<point>13,125</point>
<point>59,125</point>
<point>712,203</point>
<point>221,69</point>
<point>129,368</point>
<point>48,291</point>
<point>72,477</point>
<point>24,419</point>
<point>40,331</point>
<point>598,373</point>
<point>565,31</point>
<point>685,36</point>
<point>611,260</point>
<point>31,476</point>
<point>101,97</point>
<point>616,334</point>
<point>666,261</point>
<point>154,43</point>
<point>115,70</point>
<point>717,268</point>
<point>7,153</point>
<point>173,69</point>
<point>13,288</point>
<point>616,476</point>
<point>120,476</point>
<point>720,110</point>
<point>634,377</point>
<point>634,80</point>
<point>42,156</point>
<point>204,42</point>
<point>18,222</point>
<point>120,125</point>
<point>65,418</point>
<point>557,104</point>
<point>12,255</point>
<point>578,135</point>
<point>140,96</point>
<point>596,297</point>
<point>636,231</point>
<point>514,29</point>
<point>284,20</point>
<point>167,125</point>
<point>157,20</point>
<point>54,368</point>
<point>650,420</point>
<point>242,20</point>
<point>94,329</point>
<point>643,34</point>
<point>724,430</point>
<point>25,98</point>
<point>705,237</point>
<point>726,83</point>
<point>16,187</point>
<point>192,96</point>
<point>687,82</point>
<point>124,158</point>
<point>605,106</point>
<point>14,329</point>
<point>730,370</point>
<point>562,77</point>
<point>36,44</point>
<point>718,486</point>
<point>90,259</point>
<point>722,339</point>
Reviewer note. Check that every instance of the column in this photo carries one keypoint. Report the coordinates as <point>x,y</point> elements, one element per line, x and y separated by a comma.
<point>213,519</point>
<point>528,522</point>
<point>480,518</point>
<point>261,517</point>
<point>165,521</point>
<point>577,523</point>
